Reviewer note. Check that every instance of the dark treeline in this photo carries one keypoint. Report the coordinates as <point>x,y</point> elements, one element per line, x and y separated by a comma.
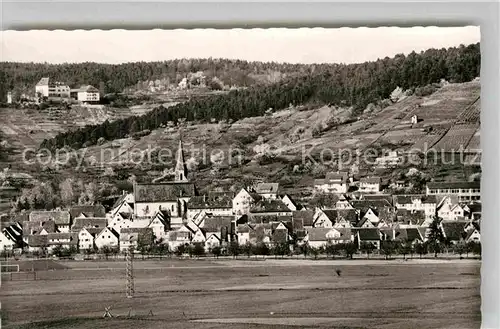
<point>354,85</point>
<point>115,78</point>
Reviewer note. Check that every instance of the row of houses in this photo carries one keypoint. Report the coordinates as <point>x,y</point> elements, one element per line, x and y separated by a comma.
<point>172,212</point>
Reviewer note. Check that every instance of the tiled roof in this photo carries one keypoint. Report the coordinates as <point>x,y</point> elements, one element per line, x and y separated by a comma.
<point>59,217</point>
<point>279,236</point>
<point>35,227</point>
<point>269,206</point>
<point>454,230</point>
<point>88,222</point>
<point>374,197</point>
<point>367,234</point>
<point>416,217</point>
<point>350,215</point>
<point>90,210</point>
<point>94,231</point>
<point>318,233</point>
<point>265,188</point>
<point>408,198</point>
<point>339,176</point>
<point>43,82</point>
<point>413,234</point>
<point>217,223</point>
<point>370,180</point>
<point>364,205</point>
<point>37,240</point>
<point>163,191</point>
<point>73,237</point>
<point>243,228</point>
<point>453,185</point>
<point>305,216</point>
<point>210,202</point>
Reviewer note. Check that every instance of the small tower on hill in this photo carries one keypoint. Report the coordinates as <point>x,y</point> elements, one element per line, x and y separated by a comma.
<point>180,166</point>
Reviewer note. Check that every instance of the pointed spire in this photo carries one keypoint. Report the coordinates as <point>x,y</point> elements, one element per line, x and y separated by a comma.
<point>180,166</point>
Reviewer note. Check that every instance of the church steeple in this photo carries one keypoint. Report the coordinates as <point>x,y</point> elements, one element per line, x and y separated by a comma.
<point>180,166</point>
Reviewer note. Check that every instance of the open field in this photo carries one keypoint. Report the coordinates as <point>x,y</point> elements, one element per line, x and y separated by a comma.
<point>249,294</point>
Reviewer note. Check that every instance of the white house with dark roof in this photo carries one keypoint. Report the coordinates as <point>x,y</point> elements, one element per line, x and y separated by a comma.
<point>369,184</point>
<point>243,201</point>
<point>52,89</point>
<point>333,183</point>
<point>86,94</point>
<point>447,209</point>
<point>243,233</point>
<point>86,237</point>
<point>107,237</point>
<point>63,240</point>
<point>289,202</point>
<point>320,237</point>
<point>217,204</point>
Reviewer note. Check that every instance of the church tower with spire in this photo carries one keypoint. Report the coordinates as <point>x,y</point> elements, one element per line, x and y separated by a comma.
<point>180,166</point>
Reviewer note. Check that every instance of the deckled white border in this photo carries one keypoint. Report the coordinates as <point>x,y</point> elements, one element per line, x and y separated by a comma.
<point>142,15</point>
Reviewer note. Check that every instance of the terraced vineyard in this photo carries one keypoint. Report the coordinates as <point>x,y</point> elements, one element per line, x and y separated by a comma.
<point>456,138</point>
<point>474,143</point>
<point>471,114</point>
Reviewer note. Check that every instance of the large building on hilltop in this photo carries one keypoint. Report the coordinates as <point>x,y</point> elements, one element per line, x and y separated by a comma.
<point>48,88</point>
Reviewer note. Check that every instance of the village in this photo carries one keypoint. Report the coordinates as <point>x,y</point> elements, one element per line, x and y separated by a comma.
<point>258,219</point>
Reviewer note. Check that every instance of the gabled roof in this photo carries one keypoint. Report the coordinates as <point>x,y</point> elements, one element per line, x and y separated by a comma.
<point>210,202</point>
<point>35,227</point>
<point>269,206</point>
<point>59,217</point>
<point>305,217</point>
<point>163,191</point>
<point>454,230</point>
<point>364,205</point>
<point>350,215</point>
<point>375,197</point>
<point>87,88</point>
<point>331,214</point>
<point>333,178</point>
<point>266,188</point>
<point>453,185</point>
<point>37,240</point>
<point>92,231</point>
<point>470,232</point>
<point>14,232</point>
<point>112,230</point>
<point>217,223</point>
<point>279,236</point>
<point>409,198</point>
<point>88,222</point>
<point>244,228</point>
<point>367,234</point>
<point>318,233</point>
<point>370,180</point>
<point>90,210</point>
<point>414,234</point>
<point>43,82</point>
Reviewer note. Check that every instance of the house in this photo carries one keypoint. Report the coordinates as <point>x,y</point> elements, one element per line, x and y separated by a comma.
<point>121,220</point>
<point>243,233</point>
<point>473,234</point>
<point>87,211</point>
<point>281,233</point>
<point>51,89</point>
<point>64,240</point>
<point>181,236</point>
<point>222,225</point>
<point>325,218</point>
<point>213,240</point>
<point>160,225</point>
<point>449,209</point>
<point>466,191</point>
<point>62,219</point>
<point>14,232</point>
<point>243,201</point>
<point>290,203</point>
<point>85,94</point>
<point>267,190</point>
<point>390,159</point>
<point>86,237</point>
<point>333,183</point>
<point>346,218</point>
<point>6,242</point>
<point>426,203</point>
<point>472,211</point>
<point>269,210</point>
<point>304,217</point>
<point>107,237</point>
<point>39,227</point>
<point>369,184</point>
<point>88,222</point>
<point>409,218</point>
<point>367,235</point>
<point>124,204</point>
<point>217,204</point>
<point>133,237</point>
<point>320,237</point>
<point>343,202</point>
<point>36,242</point>
<point>454,231</point>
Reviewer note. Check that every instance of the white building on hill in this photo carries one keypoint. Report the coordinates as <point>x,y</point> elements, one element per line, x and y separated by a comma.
<point>47,88</point>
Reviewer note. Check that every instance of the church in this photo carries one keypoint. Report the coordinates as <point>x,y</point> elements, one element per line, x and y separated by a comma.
<point>171,197</point>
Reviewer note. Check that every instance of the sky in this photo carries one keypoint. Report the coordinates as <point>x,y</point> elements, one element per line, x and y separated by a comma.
<point>304,45</point>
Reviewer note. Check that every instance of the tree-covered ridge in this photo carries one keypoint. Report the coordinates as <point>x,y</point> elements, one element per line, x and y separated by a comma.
<point>115,78</point>
<point>354,85</point>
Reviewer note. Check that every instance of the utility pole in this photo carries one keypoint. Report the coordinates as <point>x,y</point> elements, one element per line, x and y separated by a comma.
<point>130,272</point>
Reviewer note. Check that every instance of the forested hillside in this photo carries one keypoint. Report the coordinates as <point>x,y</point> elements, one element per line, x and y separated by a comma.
<point>355,85</point>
